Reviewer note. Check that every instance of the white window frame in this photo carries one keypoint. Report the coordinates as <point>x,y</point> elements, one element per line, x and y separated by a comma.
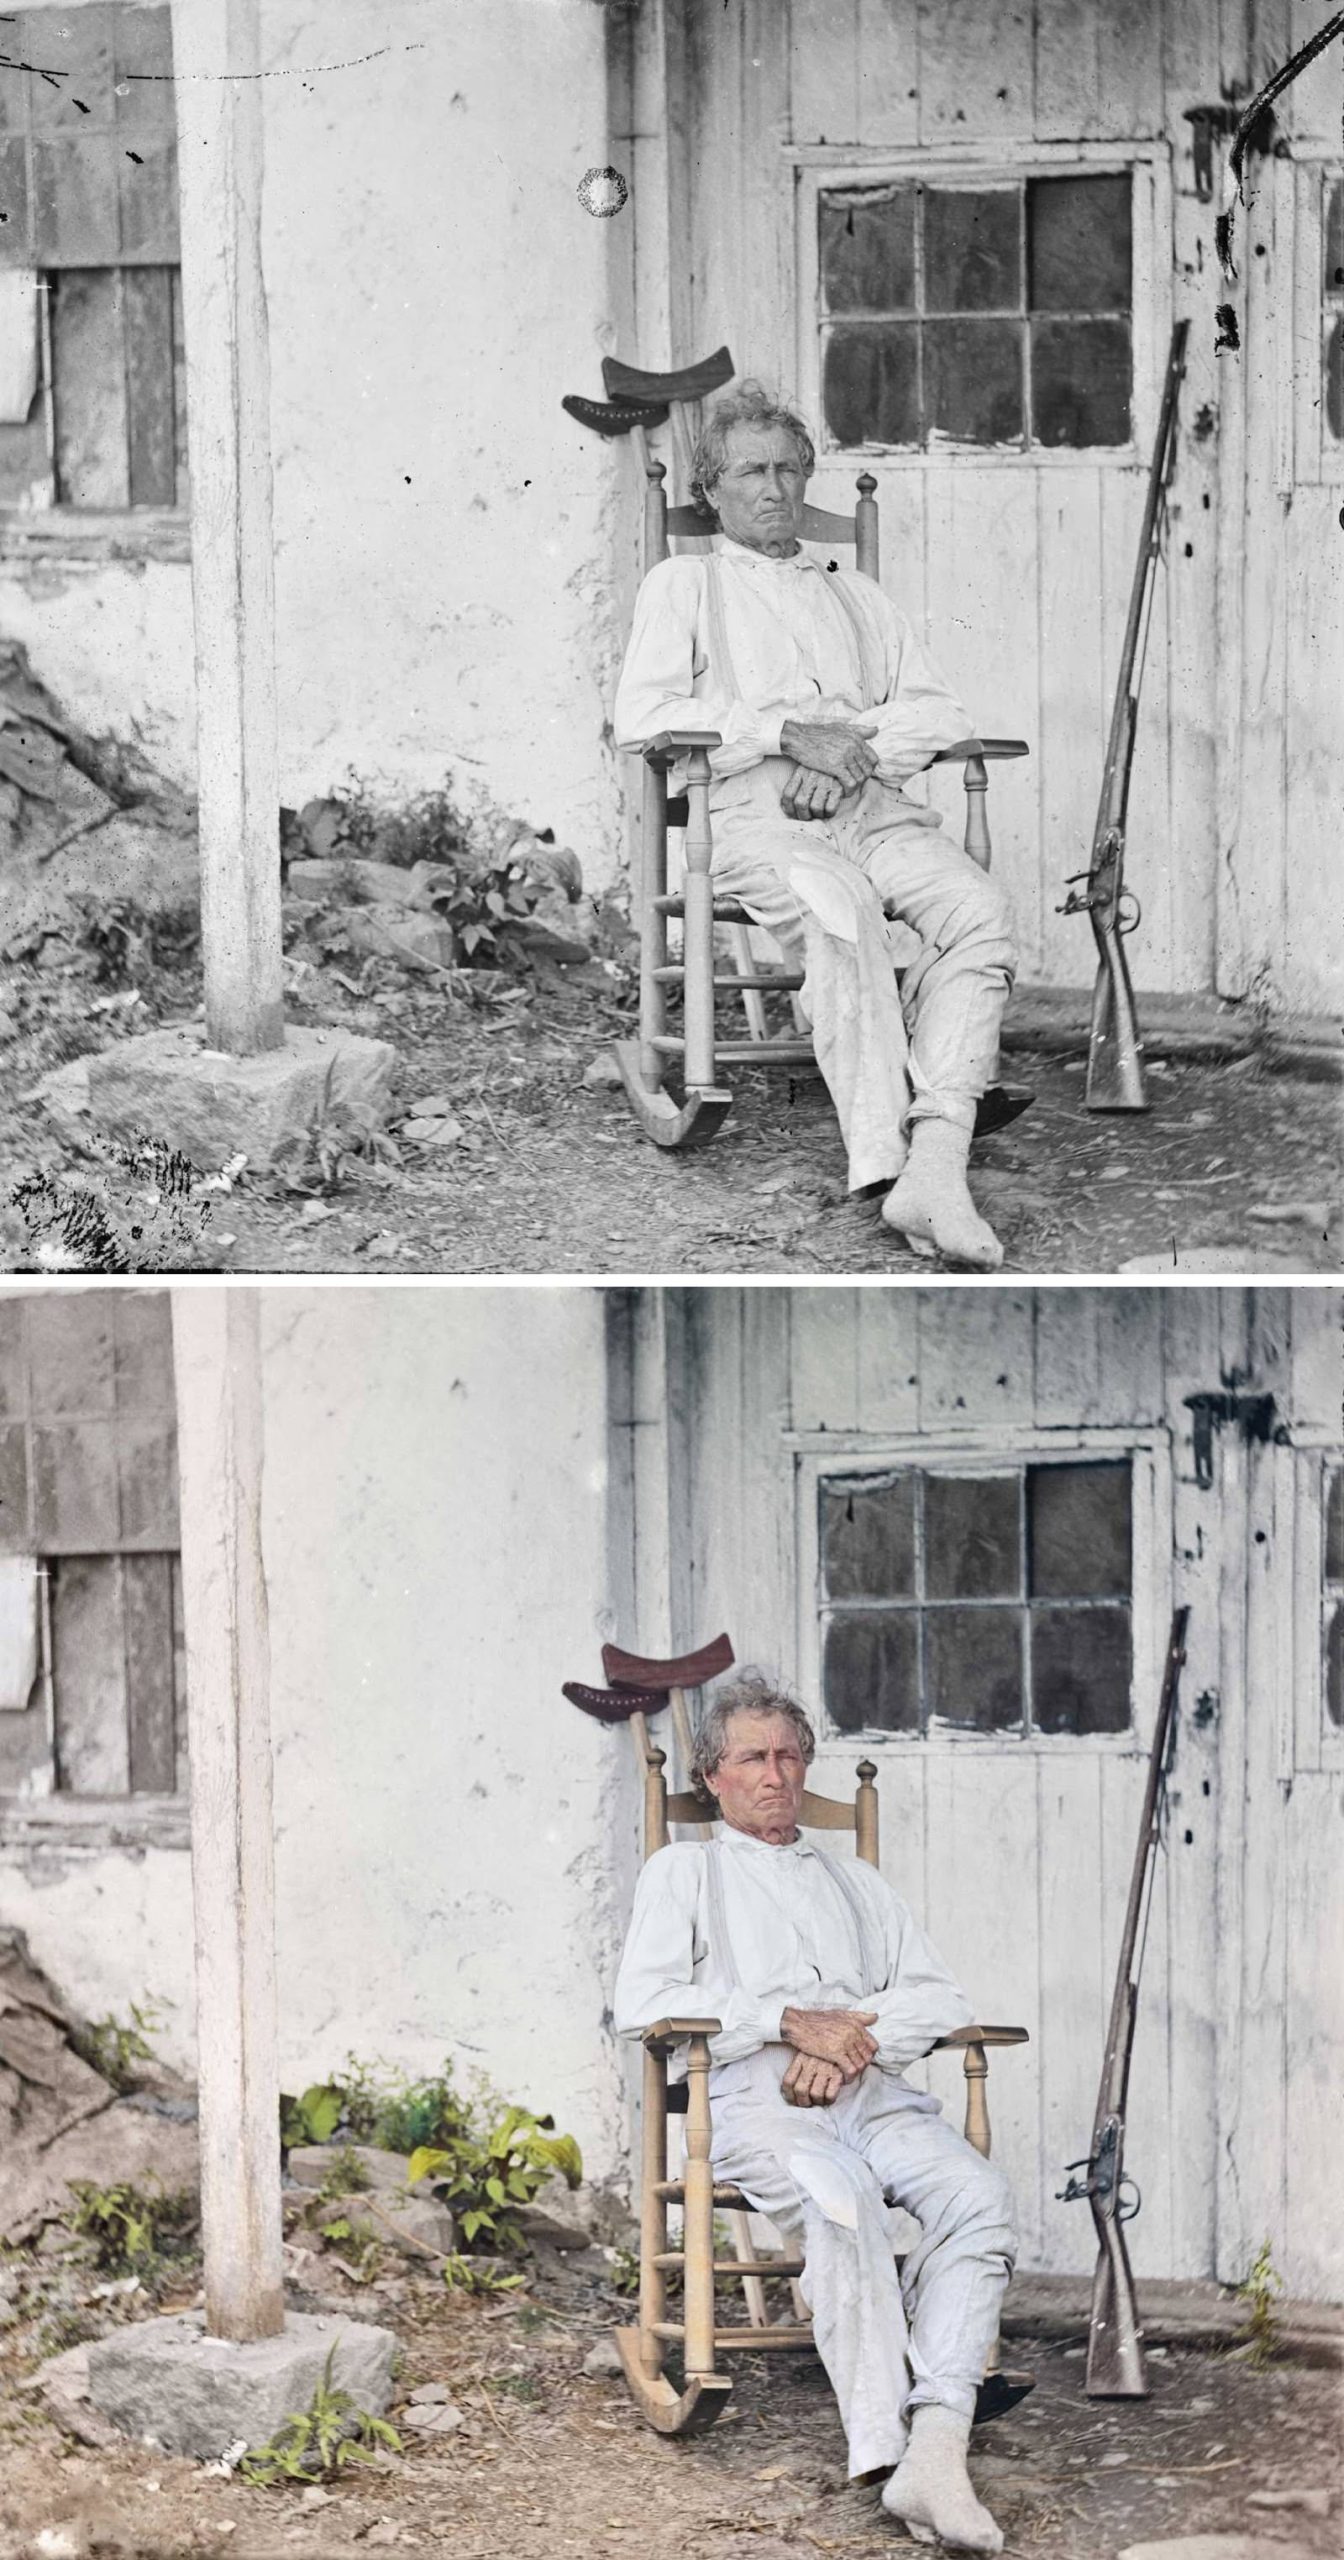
<point>1148,166</point>
<point>818,1454</point>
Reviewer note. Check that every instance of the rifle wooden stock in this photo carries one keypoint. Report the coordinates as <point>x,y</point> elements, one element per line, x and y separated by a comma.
<point>1115,1045</point>
<point>1115,2369</point>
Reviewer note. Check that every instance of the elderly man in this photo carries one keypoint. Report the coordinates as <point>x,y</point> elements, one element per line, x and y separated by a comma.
<point>827,1990</point>
<point>826,705</point>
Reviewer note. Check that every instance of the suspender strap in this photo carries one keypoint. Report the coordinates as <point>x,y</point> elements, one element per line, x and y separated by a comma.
<point>721,656</point>
<point>720,1941</point>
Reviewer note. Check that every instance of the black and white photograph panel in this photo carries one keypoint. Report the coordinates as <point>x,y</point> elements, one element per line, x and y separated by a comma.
<point>671,636</point>
<point>710,1922</point>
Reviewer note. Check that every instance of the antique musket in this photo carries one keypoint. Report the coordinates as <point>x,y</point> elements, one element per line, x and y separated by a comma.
<point>1115,2336</point>
<point>1115,1044</point>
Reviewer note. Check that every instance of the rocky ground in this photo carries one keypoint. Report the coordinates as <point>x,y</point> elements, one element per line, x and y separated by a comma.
<point>514,2444</point>
<point>510,1151</point>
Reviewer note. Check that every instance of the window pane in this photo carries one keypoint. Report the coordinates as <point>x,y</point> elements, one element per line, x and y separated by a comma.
<point>868,1538</point>
<point>1334,1526</point>
<point>1334,1665</point>
<point>870,385</point>
<point>868,251</point>
<point>973,1667</point>
<point>870,1672</point>
<point>1080,381</point>
<point>1080,1661</point>
<point>973,380</point>
<point>1078,244</point>
<point>1078,1532</point>
<point>971,1541</point>
<point>972,250</point>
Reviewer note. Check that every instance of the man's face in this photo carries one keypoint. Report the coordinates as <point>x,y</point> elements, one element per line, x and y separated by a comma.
<point>759,1781</point>
<point>759,493</point>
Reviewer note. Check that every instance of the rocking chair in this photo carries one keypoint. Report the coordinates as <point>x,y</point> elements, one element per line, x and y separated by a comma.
<point>699,2338</point>
<point>644,1063</point>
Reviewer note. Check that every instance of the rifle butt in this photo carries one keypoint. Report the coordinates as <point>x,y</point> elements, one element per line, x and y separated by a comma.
<point>1115,1044</point>
<point>1115,2367</point>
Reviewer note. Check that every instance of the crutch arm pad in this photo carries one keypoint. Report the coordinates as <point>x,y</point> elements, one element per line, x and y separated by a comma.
<point>680,1671</point>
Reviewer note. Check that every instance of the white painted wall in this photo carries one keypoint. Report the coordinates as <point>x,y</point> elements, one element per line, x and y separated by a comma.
<point>443,530</point>
<point>451,1864</point>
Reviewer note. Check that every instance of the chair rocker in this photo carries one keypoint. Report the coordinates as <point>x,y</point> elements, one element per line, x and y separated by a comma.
<point>645,1063</point>
<point>699,2338</point>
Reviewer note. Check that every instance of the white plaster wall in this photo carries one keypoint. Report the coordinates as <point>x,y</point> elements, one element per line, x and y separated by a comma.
<point>434,1527</point>
<point>434,287</point>
<point>451,1852</point>
<point>111,1928</point>
<point>113,640</point>
<point>443,531</point>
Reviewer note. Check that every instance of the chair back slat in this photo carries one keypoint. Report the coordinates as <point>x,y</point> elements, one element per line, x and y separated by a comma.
<point>817,1813</point>
<point>820,524</point>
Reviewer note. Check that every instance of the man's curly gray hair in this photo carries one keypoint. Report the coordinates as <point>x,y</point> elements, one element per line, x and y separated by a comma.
<point>752,1693</point>
<point>748,404</point>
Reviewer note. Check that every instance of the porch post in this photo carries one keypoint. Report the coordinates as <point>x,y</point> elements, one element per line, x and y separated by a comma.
<point>216,58</point>
<point>216,1345</point>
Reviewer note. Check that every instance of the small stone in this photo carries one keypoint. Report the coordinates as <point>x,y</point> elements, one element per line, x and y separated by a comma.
<point>432,1133</point>
<point>434,2418</point>
<point>382,2535</point>
<point>416,2225</point>
<point>432,1106</point>
<point>425,2392</point>
<point>602,2362</point>
<point>602,1073</point>
<point>313,2496</point>
<point>311,2163</point>
<point>400,933</point>
<point>1314,2502</point>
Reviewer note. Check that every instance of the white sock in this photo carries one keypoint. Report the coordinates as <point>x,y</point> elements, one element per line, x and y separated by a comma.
<point>930,2489</point>
<point>931,1203</point>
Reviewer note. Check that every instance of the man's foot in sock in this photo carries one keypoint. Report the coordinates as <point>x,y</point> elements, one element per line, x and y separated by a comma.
<point>931,1204</point>
<point>930,2490</point>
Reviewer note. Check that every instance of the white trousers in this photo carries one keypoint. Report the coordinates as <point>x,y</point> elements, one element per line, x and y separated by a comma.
<point>823,888</point>
<point>822,2175</point>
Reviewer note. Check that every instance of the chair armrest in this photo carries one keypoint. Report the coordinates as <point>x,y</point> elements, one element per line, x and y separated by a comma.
<point>986,748</point>
<point>669,2031</point>
<point>962,2036</point>
<point>674,742</point>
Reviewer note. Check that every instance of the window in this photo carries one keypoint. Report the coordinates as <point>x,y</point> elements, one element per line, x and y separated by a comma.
<point>1334,1594</point>
<point>977,315</point>
<point>92,396</point>
<point>993,1598</point>
<point>1333,295</point>
<point>91,1658</point>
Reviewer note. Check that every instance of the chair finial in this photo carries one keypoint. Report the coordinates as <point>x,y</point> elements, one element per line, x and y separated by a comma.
<point>656,470</point>
<point>866,484</point>
<point>866,1769</point>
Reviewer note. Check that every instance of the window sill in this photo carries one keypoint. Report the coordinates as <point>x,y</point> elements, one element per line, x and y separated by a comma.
<point>94,1823</point>
<point>71,533</point>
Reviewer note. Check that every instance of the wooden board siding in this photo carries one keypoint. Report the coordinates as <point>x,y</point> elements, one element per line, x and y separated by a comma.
<point>1018,571</point>
<point>1018,1856</point>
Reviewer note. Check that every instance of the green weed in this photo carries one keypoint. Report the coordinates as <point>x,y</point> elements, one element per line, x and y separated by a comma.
<point>321,2441</point>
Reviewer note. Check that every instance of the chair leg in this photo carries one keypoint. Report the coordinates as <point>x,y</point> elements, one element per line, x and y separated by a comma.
<point>753,1002</point>
<point>754,2290</point>
<point>996,2390</point>
<point>642,1063</point>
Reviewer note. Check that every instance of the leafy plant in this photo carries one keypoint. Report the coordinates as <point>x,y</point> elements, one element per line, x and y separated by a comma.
<point>624,2276</point>
<point>115,2046</point>
<point>346,2176</point>
<point>128,2227</point>
<point>1257,2290</point>
<point>311,2118</point>
<point>477,2275</point>
<point>481,2179</point>
<point>321,2441</point>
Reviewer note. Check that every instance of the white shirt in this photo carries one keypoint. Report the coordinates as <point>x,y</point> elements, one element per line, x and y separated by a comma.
<point>795,1943</point>
<point>797,653</point>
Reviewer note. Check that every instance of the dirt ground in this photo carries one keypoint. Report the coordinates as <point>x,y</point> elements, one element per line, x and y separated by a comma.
<point>549,2460</point>
<point>549,1173</point>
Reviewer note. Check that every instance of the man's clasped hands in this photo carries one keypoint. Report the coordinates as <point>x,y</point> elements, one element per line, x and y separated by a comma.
<point>830,759</point>
<point>831,2047</point>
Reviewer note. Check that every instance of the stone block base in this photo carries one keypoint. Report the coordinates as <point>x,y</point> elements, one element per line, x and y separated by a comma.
<point>168,2384</point>
<point>212,1106</point>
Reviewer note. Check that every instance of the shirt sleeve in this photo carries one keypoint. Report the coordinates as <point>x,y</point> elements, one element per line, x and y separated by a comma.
<point>661,664</point>
<point>920,713</point>
<point>657,1970</point>
<point>920,2000</point>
